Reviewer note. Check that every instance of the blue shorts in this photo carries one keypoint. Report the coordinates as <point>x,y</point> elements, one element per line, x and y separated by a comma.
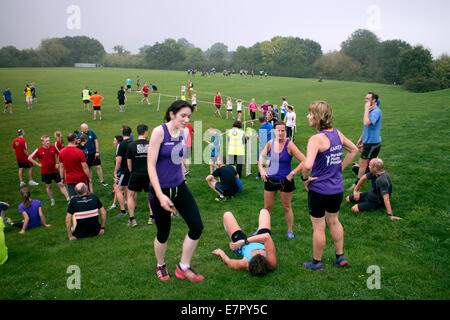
<point>3,207</point>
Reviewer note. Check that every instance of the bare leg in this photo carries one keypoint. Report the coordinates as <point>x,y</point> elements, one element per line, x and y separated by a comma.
<point>63,189</point>
<point>131,202</point>
<point>189,246</point>
<point>48,188</point>
<point>230,223</point>
<point>286,198</point>
<point>264,219</point>
<point>319,239</point>
<point>269,198</point>
<point>336,230</point>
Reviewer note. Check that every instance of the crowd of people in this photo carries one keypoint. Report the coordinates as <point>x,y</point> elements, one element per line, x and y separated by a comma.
<point>158,166</point>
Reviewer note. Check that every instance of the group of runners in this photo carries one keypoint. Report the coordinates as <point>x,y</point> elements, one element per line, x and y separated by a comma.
<point>157,167</point>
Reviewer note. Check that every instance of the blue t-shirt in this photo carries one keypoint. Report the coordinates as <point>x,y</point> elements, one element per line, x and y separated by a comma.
<point>371,133</point>
<point>215,149</point>
<point>90,144</point>
<point>32,212</point>
<point>128,82</point>
<point>265,134</point>
<point>7,95</point>
<point>247,249</point>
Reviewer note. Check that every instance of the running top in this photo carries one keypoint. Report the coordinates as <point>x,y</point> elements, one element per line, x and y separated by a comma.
<point>247,249</point>
<point>371,133</point>
<point>328,167</point>
<point>46,157</point>
<point>168,165</point>
<point>32,212</point>
<point>20,146</point>
<point>280,163</point>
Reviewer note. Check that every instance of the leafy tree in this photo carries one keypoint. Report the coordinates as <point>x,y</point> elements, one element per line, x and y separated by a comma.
<point>360,45</point>
<point>415,62</point>
<point>336,65</point>
<point>10,56</point>
<point>165,54</point>
<point>119,49</point>
<point>388,58</point>
<point>441,71</point>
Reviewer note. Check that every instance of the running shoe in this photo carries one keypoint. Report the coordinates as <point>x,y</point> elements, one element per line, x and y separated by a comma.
<point>103,183</point>
<point>9,221</point>
<point>33,183</point>
<point>162,273</point>
<point>189,274</point>
<point>220,198</point>
<point>22,184</point>
<point>340,262</point>
<point>174,215</point>
<point>121,214</point>
<point>150,220</point>
<point>132,223</point>
<point>313,266</point>
<point>52,202</point>
<point>290,235</point>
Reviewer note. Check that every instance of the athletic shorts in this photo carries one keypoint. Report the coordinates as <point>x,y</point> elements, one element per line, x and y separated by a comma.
<point>8,101</point>
<point>252,115</point>
<point>229,109</point>
<point>29,99</point>
<point>370,150</point>
<point>71,188</point>
<point>97,108</point>
<point>3,207</point>
<point>218,107</point>
<point>92,160</point>
<point>240,235</point>
<point>121,102</point>
<point>194,105</point>
<point>239,111</point>
<point>47,178</point>
<point>25,164</point>
<point>128,86</point>
<point>86,101</point>
<point>282,185</point>
<point>123,179</point>
<point>138,182</point>
<point>219,187</point>
<point>145,95</point>
<point>364,204</point>
<point>319,203</point>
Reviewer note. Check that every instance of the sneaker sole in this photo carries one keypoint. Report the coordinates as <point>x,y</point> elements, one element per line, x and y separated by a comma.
<point>343,264</point>
<point>181,276</point>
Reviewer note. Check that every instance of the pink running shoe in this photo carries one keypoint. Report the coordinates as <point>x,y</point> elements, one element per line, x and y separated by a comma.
<point>189,274</point>
<point>162,273</point>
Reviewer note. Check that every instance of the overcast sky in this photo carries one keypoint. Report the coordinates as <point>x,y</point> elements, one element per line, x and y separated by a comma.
<point>135,23</point>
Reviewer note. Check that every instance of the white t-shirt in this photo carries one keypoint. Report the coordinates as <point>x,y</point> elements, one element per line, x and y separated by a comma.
<point>239,106</point>
<point>284,107</point>
<point>290,119</point>
<point>194,100</point>
<point>229,105</point>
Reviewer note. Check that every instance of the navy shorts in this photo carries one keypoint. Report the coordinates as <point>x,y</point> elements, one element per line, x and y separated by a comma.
<point>319,203</point>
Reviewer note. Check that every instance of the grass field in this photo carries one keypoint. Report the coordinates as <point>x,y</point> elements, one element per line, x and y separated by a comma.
<point>413,254</point>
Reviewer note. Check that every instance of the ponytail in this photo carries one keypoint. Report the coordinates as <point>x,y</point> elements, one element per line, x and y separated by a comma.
<point>26,194</point>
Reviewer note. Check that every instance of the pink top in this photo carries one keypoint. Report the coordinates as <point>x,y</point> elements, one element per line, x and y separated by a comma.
<point>252,107</point>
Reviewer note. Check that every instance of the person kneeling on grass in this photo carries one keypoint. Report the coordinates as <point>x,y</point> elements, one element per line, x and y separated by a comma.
<point>83,211</point>
<point>257,252</point>
<point>31,210</point>
<point>229,183</point>
<point>378,196</point>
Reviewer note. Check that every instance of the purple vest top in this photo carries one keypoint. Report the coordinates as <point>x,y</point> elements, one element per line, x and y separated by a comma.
<point>328,167</point>
<point>168,165</point>
<point>280,163</point>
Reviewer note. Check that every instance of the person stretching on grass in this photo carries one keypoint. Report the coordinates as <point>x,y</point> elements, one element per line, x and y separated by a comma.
<point>168,189</point>
<point>31,210</point>
<point>257,252</point>
<point>379,195</point>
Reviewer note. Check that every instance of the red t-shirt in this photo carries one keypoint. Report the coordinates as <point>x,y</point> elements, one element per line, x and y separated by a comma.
<point>217,100</point>
<point>96,100</point>
<point>189,139</point>
<point>59,145</point>
<point>145,90</point>
<point>47,158</point>
<point>72,157</point>
<point>20,145</point>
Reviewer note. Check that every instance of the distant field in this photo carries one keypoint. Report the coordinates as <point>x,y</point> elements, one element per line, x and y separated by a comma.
<point>413,254</point>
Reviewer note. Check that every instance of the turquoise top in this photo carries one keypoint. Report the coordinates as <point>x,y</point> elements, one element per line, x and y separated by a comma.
<point>247,249</point>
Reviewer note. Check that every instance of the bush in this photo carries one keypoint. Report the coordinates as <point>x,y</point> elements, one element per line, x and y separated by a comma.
<point>422,84</point>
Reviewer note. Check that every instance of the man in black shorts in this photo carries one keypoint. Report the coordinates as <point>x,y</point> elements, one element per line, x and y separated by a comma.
<point>121,172</point>
<point>122,98</point>
<point>228,185</point>
<point>83,211</point>
<point>137,165</point>
<point>380,193</point>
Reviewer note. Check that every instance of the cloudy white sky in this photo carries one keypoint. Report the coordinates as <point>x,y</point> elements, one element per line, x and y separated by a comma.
<point>135,23</point>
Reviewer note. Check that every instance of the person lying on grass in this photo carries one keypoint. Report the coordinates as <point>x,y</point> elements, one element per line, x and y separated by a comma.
<point>257,252</point>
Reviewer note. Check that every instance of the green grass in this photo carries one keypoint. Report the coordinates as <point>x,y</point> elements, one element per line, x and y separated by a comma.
<point>413,254</point>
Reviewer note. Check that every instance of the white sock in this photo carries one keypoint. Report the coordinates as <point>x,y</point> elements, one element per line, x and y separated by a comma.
<point>160,265</point>
<point>184,267</point>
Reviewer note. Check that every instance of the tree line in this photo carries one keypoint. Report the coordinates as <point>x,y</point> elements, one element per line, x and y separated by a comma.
<point>362,57</point>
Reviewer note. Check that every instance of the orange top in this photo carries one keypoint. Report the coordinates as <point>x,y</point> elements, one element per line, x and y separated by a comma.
<point>96,100</point>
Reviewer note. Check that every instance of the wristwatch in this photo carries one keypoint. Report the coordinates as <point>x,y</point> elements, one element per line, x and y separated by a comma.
<point>293,172</point>
<point>304,179</point>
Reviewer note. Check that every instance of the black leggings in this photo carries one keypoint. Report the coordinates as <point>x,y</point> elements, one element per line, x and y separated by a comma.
<point>184,203</point>
<point>238,161</point>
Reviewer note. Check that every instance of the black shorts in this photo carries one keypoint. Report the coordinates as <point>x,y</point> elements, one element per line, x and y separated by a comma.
<point>282,185</point>
<point>319,203</point>
<point>25,164</point>
<point>364,203</point>
<point>8,101</point>
<point>93,161</point>
<point>240,235</point>
<point>219,187</point>
<point>370,150</point>
<point>47,178</point>
<point>252,115</point>
<point>121,102</point>
<point>137,182</point>
<point>86,101</point>
<point>128,86</point>
<point>218,107</point>
<point>71,188</point>
<point>123,179</point>
<point>145,95</point>
<point>97,108</point>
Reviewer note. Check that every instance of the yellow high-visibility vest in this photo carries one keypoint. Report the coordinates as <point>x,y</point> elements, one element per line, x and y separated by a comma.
<point>86,95</point>
<point>235,144</point>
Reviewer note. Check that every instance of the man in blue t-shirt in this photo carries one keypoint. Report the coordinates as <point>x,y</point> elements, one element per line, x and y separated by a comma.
<point>93,151</point>
<point>370,138</point>
<point>264,134</point>
<point>7,97</point>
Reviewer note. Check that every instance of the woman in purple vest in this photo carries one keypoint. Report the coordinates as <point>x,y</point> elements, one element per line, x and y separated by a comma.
<point>324,183</point>
<point>168,190</point>
<point>279,175</point>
